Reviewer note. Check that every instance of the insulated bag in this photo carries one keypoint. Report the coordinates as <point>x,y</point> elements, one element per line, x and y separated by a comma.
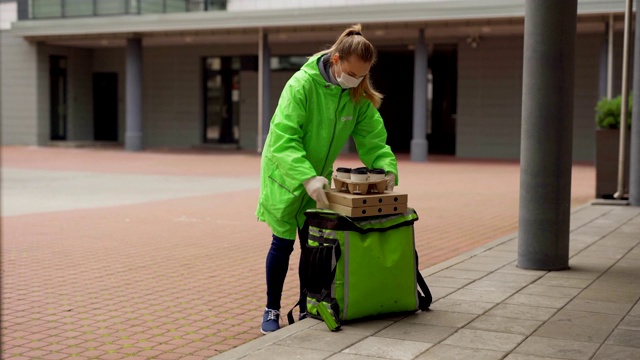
<point>361,267</point>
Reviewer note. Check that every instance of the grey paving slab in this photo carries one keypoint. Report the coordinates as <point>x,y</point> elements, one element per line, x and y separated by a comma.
<point>620,274</point>
<point>476,266</point>
<point>621,240</point>
<point>577,332</point>
<point>345,356</point>
<point>615,352</point>
<point>633,254</point>
<point>591,262</point>
<point>278,352</point>
<point>513,356</point>
<point>366,327</point>
<point>511,246</point>
<point>446,282</point>
<point>487,285</point>
<point>264,341</point>
<point>556,279</point>
<point>604,252</point>
<point>321,340</point>
<point>463,306</point>
<point>623,337</point>
<point>522,312</point>
<point>438,292</point>
<point>441,318</point>
<point>557,348</point>
<point>555,302</point>
<point>577,246</point>
<point>630,323</point>
<point>449,352</point>
<point>609,295</point>
<point>512,268</point>
<point>479,295</point>
<point>635,311</point>
<point>417,332</point>
<point>580,271</point>
<point>626,262</point>
<point>504,325</point>
<point>486,340</point>
<point>608,284</point>
<point>585,236</point>
<point>489,258</point>
<point>462,274</point>
<point>388,348</point>
<point>607,321</point>
<point>507,255</point>
<point>555,291</point>
<point>603,307</point>
<point>522,279</point>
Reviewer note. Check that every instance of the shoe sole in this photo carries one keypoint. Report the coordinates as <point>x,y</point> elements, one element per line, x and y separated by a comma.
<point>267,332</point>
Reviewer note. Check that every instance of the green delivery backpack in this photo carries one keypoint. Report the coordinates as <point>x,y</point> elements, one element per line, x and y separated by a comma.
<point>361,267</point>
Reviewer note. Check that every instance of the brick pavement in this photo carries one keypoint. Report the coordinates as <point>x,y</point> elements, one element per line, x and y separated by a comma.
<point>183,278</point>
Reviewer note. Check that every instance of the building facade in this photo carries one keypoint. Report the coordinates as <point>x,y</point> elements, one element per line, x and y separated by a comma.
<point>208,73</point>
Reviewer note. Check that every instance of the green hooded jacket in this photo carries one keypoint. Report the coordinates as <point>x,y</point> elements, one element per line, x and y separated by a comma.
<point>308,130</point>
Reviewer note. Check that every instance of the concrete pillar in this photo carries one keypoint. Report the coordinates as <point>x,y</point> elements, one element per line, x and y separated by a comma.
<point>264,87</point>
<point>634,165</point>
<point>624,103</point>
<point>604,57</point>
<point>133,134</point>
<point>547,134</point>
<point>419,146</point>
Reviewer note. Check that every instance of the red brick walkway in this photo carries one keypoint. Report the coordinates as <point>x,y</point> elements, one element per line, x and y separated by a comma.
<point>184,278</point>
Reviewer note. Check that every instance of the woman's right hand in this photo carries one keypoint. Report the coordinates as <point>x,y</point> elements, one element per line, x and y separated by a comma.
<point>315,189</point>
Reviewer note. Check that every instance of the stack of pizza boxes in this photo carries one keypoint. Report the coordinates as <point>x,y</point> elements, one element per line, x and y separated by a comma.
<point>362,192</point>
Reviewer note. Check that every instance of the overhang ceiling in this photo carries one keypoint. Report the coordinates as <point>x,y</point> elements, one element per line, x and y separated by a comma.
<point>382,23</point>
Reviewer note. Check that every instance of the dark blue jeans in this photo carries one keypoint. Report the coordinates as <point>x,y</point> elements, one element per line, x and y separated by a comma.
<point>278,264</point>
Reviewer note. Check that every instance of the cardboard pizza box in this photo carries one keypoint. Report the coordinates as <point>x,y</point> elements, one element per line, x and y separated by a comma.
<point>355,205</point>
<point>374,199</point>
<point>369,210</point>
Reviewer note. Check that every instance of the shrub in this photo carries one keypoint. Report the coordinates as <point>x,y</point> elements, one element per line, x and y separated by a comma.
<point>608,112</point>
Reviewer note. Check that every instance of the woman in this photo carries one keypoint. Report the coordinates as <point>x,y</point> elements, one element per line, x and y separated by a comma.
<point>329,99</point>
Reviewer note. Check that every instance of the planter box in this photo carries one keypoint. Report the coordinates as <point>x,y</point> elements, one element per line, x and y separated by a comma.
<point>607,149</point>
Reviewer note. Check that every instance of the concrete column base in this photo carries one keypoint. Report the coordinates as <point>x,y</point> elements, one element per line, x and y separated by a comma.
<point>133,141</point>
<point>419,148</point>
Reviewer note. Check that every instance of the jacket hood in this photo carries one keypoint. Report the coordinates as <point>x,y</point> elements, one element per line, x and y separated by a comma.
<point>311,69</point>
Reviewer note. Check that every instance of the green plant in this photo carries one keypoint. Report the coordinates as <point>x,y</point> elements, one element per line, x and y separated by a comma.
<point>608,112</point>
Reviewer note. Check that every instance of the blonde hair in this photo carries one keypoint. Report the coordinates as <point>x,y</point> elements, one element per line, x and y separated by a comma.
<point>352,43</point>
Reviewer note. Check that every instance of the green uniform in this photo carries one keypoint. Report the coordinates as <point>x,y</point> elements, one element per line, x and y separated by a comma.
<point>310,126</point>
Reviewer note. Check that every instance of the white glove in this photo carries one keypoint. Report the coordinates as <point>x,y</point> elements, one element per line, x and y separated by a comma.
<point>315,189</point>
<point>391,181</point>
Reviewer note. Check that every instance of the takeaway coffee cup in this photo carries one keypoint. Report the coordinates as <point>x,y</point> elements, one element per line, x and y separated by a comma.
<point>376,174</point>
<point>360,174</point>
<point>343,173</point>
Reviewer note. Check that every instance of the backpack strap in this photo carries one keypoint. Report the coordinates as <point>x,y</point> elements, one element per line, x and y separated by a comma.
<point>424,299</point>
<point>290,313</point>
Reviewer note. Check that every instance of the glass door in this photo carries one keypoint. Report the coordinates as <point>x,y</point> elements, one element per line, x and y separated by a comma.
<point>221,78</point>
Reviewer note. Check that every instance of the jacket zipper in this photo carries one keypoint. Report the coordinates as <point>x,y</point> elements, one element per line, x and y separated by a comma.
<point>333,135</point>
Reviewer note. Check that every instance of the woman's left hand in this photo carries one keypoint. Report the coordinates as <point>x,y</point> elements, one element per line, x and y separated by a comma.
<point>391,181</point>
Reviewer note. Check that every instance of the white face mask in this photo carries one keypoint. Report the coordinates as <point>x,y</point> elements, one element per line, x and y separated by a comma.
<point>347,81</point>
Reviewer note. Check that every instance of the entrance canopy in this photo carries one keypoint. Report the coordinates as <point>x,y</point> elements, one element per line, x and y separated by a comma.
<point>385,23</point>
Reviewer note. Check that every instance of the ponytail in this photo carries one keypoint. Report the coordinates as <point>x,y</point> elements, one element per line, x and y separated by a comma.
<point>352,43</point>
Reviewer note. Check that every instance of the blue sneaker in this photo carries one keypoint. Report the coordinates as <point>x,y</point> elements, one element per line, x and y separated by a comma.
<point>270,321</point>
